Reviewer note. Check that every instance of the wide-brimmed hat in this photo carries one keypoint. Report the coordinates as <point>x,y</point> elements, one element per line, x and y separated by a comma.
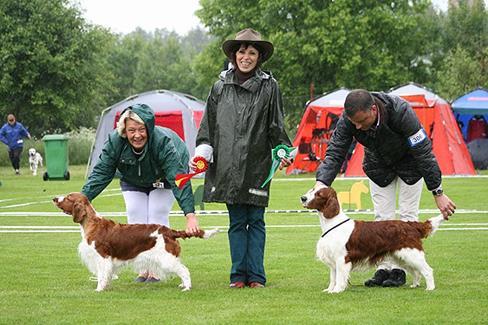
<point>250,36</point>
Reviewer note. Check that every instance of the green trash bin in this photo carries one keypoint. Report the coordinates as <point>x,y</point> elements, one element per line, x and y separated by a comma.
<point>56,152</point>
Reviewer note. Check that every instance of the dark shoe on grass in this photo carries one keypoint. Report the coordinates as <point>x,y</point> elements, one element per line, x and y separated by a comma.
<point>397,278</point>
<point>152,279</point>
<point>378,278</point>
<point>140,279</point>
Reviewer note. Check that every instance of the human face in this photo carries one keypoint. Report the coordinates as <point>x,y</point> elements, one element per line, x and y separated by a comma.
<point>136,134</point>
<point>363,120</point>
<point>11,119</point>
<point>247,58</point>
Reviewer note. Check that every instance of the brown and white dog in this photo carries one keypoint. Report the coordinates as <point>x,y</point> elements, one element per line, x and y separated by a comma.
<point>349,244</point>
<point>107,246</point>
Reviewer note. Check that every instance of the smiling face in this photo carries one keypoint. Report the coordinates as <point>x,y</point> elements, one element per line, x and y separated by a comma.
<point>247,58</point>
<point>136,134</point>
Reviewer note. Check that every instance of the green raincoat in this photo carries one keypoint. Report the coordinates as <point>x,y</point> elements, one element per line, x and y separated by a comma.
<point>164,156</point>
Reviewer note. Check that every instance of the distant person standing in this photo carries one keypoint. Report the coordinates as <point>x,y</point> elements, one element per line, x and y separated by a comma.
<point>12,134</point>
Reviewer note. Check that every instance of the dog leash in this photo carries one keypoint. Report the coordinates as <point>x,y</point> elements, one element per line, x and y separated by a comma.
<point>340,223</point>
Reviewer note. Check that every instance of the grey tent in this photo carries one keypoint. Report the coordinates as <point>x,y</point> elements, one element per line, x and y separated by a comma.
<point>180,112</point>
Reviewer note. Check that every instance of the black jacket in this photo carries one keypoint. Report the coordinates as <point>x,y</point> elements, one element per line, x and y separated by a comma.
<point>397,147</point>
<point>242,123</point>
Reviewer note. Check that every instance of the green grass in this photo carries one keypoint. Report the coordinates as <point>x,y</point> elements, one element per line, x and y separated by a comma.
<point>43,281</point>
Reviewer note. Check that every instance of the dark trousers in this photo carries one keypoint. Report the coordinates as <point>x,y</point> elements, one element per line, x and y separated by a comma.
<point>247,237</point>
<point>14,156</point>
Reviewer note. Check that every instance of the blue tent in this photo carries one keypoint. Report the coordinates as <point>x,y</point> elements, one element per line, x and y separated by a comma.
<point>469,105</point>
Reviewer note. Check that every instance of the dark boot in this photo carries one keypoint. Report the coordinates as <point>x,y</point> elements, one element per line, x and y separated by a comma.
<point>378,278</point>
<point>397,278</point>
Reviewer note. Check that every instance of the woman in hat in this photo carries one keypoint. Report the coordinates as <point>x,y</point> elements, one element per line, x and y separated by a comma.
<point>243,122</point>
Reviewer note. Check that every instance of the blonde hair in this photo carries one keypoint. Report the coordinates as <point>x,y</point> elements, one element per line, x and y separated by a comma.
<point>128,114</point>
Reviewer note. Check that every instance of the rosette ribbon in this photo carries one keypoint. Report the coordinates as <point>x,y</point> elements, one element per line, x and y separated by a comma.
<point>279,152</point>
<point>201,166</point>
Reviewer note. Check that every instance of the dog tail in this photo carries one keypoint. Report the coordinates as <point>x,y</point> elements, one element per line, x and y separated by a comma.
<point>435,223</point>
<point>200,234</point>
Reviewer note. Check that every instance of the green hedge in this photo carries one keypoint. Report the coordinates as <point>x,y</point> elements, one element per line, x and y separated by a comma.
<point>79,146</point>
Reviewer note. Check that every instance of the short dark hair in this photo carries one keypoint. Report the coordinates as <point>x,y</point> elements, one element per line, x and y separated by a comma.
<point>358,100</point>
<point>246,45</point>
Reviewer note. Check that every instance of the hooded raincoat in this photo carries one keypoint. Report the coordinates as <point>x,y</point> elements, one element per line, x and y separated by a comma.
<point>164,156</point>
<point>242,123</point>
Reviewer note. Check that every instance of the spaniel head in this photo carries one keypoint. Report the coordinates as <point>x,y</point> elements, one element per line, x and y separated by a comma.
<point>75,204</point>
<point>323,199</point>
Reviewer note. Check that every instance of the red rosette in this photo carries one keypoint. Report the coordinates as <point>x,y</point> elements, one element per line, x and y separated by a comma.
<point>201,166</point>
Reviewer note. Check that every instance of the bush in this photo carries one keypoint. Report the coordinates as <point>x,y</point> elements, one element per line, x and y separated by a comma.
<point>79,147</point>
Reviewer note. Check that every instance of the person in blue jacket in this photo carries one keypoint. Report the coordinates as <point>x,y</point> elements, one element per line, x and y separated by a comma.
<point>12,134</point>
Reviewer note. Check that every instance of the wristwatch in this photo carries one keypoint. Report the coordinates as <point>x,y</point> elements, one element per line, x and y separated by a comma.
<point>438,191</point>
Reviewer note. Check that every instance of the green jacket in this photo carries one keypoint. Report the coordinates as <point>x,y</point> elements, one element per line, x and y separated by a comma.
<point>164,156</point>
<point>242,123</point>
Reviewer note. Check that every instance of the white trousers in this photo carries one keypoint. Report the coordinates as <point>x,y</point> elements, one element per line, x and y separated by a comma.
<point>152,208</point>
<point>384,202</point>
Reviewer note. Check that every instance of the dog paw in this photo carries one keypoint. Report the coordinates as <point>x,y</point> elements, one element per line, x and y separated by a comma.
<point>184,287</point>
<point>429,288</point>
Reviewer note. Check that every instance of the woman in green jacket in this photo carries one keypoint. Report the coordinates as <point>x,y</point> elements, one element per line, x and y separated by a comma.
<point>147,158</point>
<point>243,122</point>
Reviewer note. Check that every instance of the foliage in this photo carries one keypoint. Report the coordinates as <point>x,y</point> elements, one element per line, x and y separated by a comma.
<point>332,44</point>
<point>465,44</point>
<point>57,72</point>
<point>52,67</point>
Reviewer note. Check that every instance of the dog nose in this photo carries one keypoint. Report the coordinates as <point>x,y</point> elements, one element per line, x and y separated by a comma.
<point>303,199</point>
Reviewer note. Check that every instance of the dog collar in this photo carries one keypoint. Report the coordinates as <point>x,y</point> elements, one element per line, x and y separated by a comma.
<point>340,223</point>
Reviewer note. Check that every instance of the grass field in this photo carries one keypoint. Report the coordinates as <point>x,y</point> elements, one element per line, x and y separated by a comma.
<point>43,281</point>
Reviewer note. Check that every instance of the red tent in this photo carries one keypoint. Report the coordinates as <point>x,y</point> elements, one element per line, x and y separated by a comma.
<point>315,129</point>
<point>437,119</point>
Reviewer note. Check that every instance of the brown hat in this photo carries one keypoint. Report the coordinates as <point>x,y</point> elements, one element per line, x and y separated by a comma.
<point>248,35</point>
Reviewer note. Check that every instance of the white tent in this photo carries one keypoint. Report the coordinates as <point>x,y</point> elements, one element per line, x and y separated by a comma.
<point>180,112</point>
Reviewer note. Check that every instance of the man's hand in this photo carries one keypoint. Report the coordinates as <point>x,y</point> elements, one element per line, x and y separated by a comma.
<point>445,205</point>
<point>318,185</point>
<point>191,223</point>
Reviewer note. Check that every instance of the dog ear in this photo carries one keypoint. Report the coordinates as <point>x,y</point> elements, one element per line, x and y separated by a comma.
<point>331,204</point>
<point>79,211</point>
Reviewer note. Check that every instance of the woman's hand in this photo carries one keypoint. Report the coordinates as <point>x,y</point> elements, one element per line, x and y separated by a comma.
<point>191,223</point>
<point>285,162</point>
<point>192,164</point>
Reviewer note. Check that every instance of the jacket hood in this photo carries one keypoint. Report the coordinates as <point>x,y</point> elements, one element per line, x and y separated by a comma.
<point>146,114</point>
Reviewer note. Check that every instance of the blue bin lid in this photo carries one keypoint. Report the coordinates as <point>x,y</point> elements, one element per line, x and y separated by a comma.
<point>49,137</point>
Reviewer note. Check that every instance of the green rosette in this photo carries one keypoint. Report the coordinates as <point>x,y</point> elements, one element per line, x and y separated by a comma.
<point>279,152</point>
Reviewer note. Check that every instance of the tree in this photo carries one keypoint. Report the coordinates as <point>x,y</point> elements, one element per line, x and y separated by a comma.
<point>355,44</point>
<point>465,44</point>
<point>51,65</point>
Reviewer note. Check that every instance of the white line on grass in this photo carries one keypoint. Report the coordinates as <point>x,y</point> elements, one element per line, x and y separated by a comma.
<point>223,212</point>
<point>75,229</point>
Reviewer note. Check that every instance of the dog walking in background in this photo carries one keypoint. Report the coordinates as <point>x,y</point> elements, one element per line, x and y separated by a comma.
<point>35,159</point>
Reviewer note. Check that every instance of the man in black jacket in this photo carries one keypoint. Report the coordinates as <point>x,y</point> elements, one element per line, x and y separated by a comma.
<point>398,155</point>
